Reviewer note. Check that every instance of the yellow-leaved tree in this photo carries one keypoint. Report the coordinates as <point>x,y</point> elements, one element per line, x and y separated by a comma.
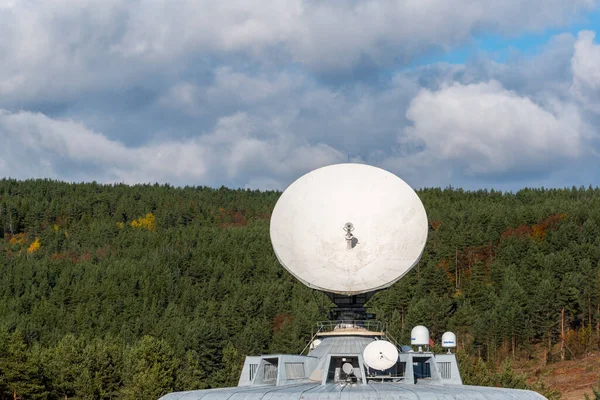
<point>147,222</point>
<point>34,246</point>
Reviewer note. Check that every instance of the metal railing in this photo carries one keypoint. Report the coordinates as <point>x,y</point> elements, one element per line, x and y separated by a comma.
<point>311,340</point>
<point>350,325</point>
<point>341,325</point>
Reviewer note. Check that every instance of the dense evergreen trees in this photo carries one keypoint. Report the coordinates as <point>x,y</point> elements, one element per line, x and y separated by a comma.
<point>119,292</point>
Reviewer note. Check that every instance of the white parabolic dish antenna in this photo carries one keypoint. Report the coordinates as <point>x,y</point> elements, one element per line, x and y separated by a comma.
<point>349,229</point>
<point>380,355</point>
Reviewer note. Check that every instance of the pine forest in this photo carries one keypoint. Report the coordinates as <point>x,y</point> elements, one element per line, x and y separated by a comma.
<point>131,292</point>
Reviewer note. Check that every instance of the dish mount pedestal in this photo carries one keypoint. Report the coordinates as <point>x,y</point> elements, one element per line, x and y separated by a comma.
<point>350,308</point>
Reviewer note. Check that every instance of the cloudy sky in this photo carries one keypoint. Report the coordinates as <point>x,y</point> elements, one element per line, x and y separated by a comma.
<point>470,93</point>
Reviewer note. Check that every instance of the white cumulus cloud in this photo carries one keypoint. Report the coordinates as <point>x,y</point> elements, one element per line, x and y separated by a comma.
<point>482,128</point>
<point>586,71</point>
<point>35,145</point>
<point>65,47</point>
<point>258,92</point>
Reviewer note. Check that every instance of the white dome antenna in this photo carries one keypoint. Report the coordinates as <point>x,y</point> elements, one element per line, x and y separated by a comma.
<point>449,341</point>
<point>419,336</point>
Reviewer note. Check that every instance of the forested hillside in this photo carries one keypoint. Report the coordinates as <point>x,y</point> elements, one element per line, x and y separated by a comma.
<point>129,292</point>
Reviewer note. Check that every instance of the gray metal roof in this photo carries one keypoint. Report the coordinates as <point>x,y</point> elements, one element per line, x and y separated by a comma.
<point>373,390</point>
<point>341,345</point>
<point>320,378</point>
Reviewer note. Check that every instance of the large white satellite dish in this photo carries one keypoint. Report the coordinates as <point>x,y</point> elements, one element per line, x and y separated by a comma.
<point>380,355</point>
<point>349,229</point>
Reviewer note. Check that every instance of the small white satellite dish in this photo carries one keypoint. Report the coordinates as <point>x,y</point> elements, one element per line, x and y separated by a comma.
<point>380,355</point>
<point>349,229</point>
<point>348,368</point>
<point>314,344</point>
